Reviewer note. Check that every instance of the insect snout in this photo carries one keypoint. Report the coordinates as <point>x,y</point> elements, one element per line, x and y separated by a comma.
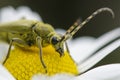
<point>57,44</point>
<point>60,51</point>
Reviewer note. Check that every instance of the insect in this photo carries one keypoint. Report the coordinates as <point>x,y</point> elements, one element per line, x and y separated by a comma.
<point>29,32</point>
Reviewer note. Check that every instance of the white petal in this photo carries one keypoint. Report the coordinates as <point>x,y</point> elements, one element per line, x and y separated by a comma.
<point>54,77</point>
<point>60,31</point>
<point>10,14</point>
<point>98,56</point>
<point>107,72</point>
<point>106,38</point>
<point>4,74</point>
<point>28,13</point>
<point>3,51</point>
<point>79,47</point>
<point>94,44</point>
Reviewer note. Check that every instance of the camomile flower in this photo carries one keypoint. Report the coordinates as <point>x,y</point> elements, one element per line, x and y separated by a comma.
<point>85,53</point>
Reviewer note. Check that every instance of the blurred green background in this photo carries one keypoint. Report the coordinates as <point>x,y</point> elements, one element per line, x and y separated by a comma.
<point>63,13</point>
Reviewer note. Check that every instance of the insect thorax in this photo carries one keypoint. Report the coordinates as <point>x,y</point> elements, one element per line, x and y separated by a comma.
<point>44,32</point>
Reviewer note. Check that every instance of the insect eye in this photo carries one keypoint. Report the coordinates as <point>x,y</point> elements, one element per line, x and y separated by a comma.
<point>54,40</point>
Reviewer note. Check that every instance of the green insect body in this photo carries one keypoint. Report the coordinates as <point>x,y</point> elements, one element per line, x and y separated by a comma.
<point>29,32</point>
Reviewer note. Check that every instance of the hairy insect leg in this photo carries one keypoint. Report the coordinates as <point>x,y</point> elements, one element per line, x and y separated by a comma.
<point>40,48</point>
<point>17,40</point>
<point>67,48</point>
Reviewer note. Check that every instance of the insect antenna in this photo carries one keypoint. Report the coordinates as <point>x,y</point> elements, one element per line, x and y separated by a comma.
<point>77,25</point>
<point>71,29</point>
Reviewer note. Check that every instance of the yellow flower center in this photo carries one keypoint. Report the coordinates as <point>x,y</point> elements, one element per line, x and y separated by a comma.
<point>23,63</point>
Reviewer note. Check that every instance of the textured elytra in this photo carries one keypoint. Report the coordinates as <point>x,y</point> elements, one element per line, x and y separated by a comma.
<point>23,63</point>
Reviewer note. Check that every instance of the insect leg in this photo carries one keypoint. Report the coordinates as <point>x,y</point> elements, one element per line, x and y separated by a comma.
<point>67,48</point>
<point>40,48</point>
<point>17,40</point>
